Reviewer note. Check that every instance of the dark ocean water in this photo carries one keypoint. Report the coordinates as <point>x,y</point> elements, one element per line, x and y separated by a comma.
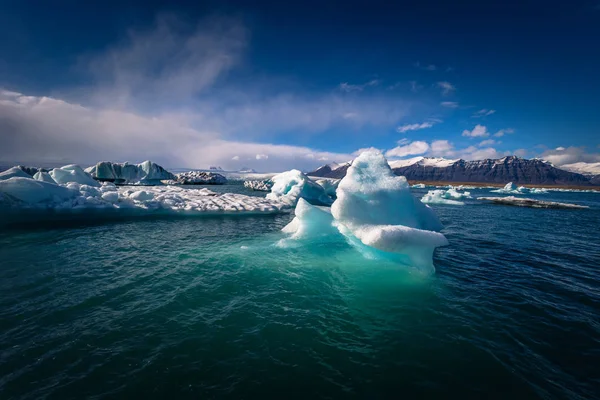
<point>210,308</point>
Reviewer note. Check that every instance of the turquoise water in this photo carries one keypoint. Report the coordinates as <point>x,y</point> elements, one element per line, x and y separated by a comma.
<point>210,308</point>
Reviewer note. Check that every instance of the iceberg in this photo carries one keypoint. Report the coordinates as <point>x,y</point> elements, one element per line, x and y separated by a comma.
<point>72,174</point>
<point>145,173</point>
<point>14,172</point>
<point>24,199</point>
<point>418,186</point>
<point>292,185</point>
<point>261,186</point>
<point>200,178</point>
<point>43,176</point>
<point>31,191</point>
<point>377,214</point>
<point>440,197</point>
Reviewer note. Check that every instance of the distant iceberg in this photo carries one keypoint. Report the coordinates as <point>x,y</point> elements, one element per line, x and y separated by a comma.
<point>511,188</point>
<point>146,173</point>
<point>199,178</point>
<point>376,213</point>
<point>450,197</point>
<point>524,202</point>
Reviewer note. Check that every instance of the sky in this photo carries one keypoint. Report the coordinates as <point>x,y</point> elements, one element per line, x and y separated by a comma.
<point>273,86</point>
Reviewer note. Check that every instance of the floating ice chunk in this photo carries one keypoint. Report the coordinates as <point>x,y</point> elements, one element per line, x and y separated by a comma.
<point>141,195</point>
<point>511,188</point>
<point>418,186</point>
<point>43,176</point>
<point>519,201</point>
<point>261,186</point>
<point>31,191</point>
<point>14,172</point>
<point>289,186</point>
<point>72,173</point>
<point>440,196</point>
<point>376,207</point>
<point>454,194</point>
<point>538,191</point>
<point>200,178</point>
<point>310,221</point>
<point>329,185</point>
<point>145,173</point>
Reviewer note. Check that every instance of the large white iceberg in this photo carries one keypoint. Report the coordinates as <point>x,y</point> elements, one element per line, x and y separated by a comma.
<point>31,191</point>
<point>200,178</point>
<point>72,173</point>
<point>377,214</point>
<point>145,173</point>
<point>511,188</point>
<point>292,185</point>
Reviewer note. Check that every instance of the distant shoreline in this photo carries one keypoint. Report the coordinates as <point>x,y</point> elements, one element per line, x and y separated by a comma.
<point>500,185</point>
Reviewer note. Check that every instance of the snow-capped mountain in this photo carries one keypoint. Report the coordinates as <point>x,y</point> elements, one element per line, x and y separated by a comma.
<point>506,169</point>
<point>583,168</point>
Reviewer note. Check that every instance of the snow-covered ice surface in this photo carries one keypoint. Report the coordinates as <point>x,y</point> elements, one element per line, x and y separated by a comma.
<point>376,213</point>
<point>200,178</point>
<point>534,203</point>
<point>292,185</point>
<point>260,186</point>
<point>145,173</point>
<point>21,196</point>
<point>72,173</point>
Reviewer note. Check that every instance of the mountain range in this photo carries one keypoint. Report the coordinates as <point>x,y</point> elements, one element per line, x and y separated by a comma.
<point>507,169</point>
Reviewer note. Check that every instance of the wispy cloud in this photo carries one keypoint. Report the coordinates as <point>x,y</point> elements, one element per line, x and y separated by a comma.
<point>487,142</point>
<point>347,87</point>
<point>425,67</point>
<point>414,127</point>
<point>447,87</point>
<point>484,112</point>
<point>449,104</point>
<point>569,155</point>
<point>502,132</point>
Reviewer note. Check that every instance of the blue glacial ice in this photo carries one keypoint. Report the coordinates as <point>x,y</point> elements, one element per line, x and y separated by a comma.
<point>145,173</point>
<point>377,214</point>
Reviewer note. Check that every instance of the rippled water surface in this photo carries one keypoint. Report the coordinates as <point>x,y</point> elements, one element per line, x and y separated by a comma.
<point>210,308</point>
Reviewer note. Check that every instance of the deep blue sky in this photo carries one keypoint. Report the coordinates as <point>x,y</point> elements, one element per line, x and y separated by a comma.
<point>536,64</point>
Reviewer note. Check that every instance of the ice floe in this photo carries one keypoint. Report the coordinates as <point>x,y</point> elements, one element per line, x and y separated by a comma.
<point>511,188</point>
<point>19,195</point>
<point>14,172</point>
<point>524,202</point>
<point>376,213</point>
<point>72,173</point>
<point>292,185</point>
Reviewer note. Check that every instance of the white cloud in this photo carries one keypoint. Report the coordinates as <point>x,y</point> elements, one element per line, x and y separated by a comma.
<point>449,104</point>
<point>487,142</point>
<point>441,147</point>
<point>414,127</point>
<point>501,132</point>
<point>52,130</point>
<point>447,87</point>
<point>484,112</point>
<point>520,152</point>
<point>478,131</point>
<point>404,150</point>
<point>569,155</point>
<point>347,87</point>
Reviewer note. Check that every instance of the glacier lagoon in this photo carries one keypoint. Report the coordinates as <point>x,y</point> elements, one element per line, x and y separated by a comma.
<point>211,306</point>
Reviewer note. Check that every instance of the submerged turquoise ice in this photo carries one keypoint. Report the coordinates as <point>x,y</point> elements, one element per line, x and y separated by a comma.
<point>167,306</point>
